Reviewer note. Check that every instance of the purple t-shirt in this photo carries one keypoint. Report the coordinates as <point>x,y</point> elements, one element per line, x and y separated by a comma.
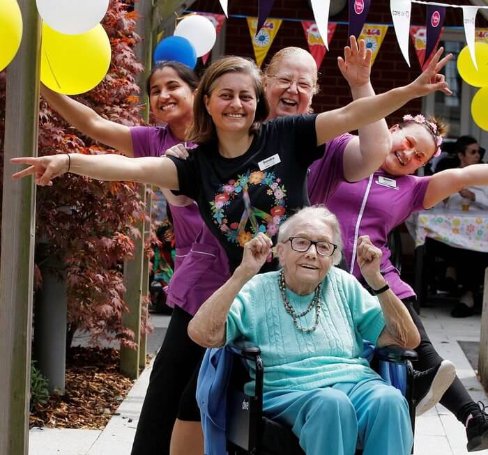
<point>388,201</point>
<point>196,266</point>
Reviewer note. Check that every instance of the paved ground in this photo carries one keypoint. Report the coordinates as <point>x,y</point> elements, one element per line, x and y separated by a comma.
<point>437,431</point>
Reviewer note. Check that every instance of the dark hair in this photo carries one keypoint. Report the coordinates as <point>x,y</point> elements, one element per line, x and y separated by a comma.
<point>462,142</point>
<point>203,128</point>
<point>184,73</point>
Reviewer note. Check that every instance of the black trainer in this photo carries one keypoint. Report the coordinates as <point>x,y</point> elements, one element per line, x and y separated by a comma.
<point>430,385</point>
<point>477,429</point>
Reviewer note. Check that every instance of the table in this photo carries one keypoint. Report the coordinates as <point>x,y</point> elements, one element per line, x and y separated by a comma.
<point>467,230</point>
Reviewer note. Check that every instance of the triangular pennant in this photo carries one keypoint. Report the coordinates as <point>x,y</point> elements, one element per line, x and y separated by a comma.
<point>358,12</point>
<point>469,20</point>
<point>320,10</point>
<point>417,33</point>
<point>373,35</point>
<point>481,34</point>
<point>435,19</point>
<point>400,13</point>
<point>315,43</point>
<point>262,41</point>
<point>224,4</point>
<point>264,8</point>
<point>218,22</point>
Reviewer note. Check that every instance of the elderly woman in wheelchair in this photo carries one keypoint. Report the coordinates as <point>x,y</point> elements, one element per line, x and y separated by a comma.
<point>310,320</point>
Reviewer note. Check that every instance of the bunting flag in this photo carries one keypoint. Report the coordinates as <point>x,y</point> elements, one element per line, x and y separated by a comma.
<point>481,34</point>
<point>218,22</point>
<point>435,20</point>
<point>320,10</point>
<point>469,19</point>
<point>418,33</point>
<point>261,42</point>
<point>373,35</point>
<point>315,43</point>
<point>358,12</point>
<point>224,4</point>
<point>400,13</point>
<point>264,8</point>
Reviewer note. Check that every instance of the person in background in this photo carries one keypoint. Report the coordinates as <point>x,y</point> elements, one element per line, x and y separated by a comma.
<point>310,319</point>
<point>468,152</point>
<point>376,205</point>
<point>465,268</point>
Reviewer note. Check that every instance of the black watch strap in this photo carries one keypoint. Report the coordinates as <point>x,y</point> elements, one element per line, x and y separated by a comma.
<point>381,290</point>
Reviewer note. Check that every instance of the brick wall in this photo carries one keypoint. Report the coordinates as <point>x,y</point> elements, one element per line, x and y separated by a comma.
<point>390,69</point>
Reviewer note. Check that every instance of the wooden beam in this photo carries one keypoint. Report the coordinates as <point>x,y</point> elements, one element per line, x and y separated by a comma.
<point>134,272</point>
<point>483,356</point>
<point>18,232</point>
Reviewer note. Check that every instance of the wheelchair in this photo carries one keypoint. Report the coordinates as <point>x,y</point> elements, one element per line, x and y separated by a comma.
<point>249,432</point>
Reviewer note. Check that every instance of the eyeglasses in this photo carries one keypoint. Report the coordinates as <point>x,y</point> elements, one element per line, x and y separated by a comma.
<point>285,83</point>
<point>420,156</point>
<point>302,245</point>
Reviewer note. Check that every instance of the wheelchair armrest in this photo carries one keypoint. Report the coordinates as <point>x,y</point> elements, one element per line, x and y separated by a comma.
<point>244,348</point>
<point>249,351</point>
<point>395,354</point>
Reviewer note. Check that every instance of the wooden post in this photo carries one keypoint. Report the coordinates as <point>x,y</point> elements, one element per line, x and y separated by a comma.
<point>18,231</point>
<point>130,360</point>
<point>144,55</point>
<point>483,356</point>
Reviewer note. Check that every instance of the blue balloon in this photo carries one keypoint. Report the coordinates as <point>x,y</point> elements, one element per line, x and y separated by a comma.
<point>176,48</point>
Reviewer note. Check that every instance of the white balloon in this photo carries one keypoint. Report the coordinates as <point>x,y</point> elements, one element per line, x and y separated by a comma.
<point>199,31</point>
<point>72,17</point>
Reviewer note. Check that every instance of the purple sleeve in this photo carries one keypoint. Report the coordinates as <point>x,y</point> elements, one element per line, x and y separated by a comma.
<point>326,173</point>
<point>151,140</point>
<point>419,188</point>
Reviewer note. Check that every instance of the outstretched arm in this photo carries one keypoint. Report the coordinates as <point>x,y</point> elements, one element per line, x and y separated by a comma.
<point>207,328</point>
<point>450,181</point>
<point>89,122</point>
<point>105,131</point>
<point>400,328</point>
<point>366,110</point>
<point>363,154</point>
<point>155,171</point>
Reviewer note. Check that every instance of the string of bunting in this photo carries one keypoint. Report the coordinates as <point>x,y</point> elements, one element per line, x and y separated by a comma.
<point>401,14</point>
<point>372,33</point>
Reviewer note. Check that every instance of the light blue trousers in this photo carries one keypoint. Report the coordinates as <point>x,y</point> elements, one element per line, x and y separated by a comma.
<point>333,420</point>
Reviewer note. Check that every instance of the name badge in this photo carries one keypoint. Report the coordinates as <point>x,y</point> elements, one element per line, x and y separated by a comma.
<point>385,181</point>
<point>268,162</point>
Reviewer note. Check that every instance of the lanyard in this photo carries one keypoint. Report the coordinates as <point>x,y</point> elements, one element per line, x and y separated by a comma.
<point>358,223</point>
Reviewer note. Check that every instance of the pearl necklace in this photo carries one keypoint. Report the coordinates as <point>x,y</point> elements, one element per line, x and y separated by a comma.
<point>315,303</point>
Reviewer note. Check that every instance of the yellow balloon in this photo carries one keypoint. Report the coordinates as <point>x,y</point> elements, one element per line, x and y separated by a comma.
<point>10,31</point>
<point>478,108</point>
<point>74,64</point>
<point>471,75</point>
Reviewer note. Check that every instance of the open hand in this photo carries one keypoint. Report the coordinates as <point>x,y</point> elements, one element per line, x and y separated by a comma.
<point>356,64</point>
<point>44,169</point>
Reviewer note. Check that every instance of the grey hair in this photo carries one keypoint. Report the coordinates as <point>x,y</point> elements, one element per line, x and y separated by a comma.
<point>321,213</point>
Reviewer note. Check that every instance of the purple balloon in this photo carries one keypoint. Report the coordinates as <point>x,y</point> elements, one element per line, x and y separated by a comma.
<point>175,48</point>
